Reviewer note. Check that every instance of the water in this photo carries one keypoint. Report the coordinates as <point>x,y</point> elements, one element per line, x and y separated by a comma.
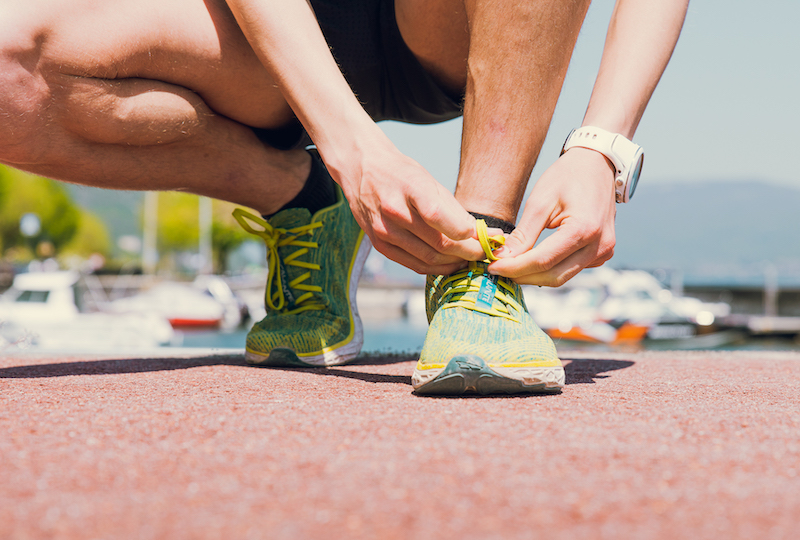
<point>402,336</point>
<point>395,335</point>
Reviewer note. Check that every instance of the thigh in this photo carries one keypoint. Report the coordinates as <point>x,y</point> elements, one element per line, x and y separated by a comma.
<point>195,44</point>
<point>385,74</point>
<point>436,31</point>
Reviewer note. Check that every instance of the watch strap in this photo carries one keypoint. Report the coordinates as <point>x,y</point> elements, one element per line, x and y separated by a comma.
<point>618,149</point>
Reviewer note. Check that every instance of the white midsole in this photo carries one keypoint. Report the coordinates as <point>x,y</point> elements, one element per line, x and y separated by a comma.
<point>552,376</point>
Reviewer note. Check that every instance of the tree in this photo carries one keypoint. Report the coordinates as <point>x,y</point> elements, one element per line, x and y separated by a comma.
<point>226,234</point>
<point>21,194</point>
<point>91,237</point>
<point>178,226</point>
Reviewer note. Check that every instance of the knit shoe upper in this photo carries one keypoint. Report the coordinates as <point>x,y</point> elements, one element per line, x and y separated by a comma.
<point>314,264</point>
<point>482,339</point>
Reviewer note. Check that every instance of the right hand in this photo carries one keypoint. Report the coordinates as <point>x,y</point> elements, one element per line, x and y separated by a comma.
<point>409,216</point>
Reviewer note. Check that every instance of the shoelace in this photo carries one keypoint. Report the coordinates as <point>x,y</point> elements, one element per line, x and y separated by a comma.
<point>274,238</point>
<point>488,289</point>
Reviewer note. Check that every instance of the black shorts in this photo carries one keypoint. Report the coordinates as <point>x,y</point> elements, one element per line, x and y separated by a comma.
<point>384,74</point>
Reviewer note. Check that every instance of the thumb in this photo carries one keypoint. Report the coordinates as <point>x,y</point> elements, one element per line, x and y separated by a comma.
<point>523,237</point>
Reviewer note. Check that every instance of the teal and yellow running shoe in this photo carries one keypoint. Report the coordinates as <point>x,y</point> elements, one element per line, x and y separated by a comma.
<point>314,265</point>
<point>481,337</point>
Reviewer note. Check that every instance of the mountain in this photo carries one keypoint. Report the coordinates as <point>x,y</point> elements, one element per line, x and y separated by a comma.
<point>710,227</point>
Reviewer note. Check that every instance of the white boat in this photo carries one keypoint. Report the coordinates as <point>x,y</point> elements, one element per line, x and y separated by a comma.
<point>41,310</point>
<point>180,303</point>
<point>610,306</point>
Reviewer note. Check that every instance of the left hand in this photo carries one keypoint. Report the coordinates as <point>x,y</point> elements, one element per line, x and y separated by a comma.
<point>575,195</point>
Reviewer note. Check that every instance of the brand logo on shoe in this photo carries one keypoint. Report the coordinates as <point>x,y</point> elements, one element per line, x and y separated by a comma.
<point>487,292</point>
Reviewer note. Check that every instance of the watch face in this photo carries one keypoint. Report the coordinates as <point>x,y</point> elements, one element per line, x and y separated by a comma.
<point>637,171</point>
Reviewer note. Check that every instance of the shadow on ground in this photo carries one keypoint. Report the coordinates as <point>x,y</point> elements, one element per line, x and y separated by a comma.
<point>585,371</point>
<point>143,365</point>
<point>117,366</point>
<point>578,371</point>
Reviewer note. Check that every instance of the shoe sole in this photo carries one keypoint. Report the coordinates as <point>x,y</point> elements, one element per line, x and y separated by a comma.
<point>339,354</point>
<point>470,374</point>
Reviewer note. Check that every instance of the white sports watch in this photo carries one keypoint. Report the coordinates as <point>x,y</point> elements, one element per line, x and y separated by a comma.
<point>626,156</point>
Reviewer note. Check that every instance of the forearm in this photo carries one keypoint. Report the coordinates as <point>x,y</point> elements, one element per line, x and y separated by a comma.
<point>286,37</point>
<point>408,216</point>
<point>575,195</point>
<point>639,44</point>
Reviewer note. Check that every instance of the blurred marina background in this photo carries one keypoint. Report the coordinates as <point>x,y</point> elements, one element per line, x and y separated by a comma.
<point>707,256</point>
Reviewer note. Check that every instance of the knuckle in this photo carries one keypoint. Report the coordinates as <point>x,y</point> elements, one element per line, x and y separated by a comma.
<point>431,212</point>
<point>434,258</point>
<point>605,251</point>
<point>443,245</point>
<point>380,232</point>
<point>545,263</point>
<point>394,212</point>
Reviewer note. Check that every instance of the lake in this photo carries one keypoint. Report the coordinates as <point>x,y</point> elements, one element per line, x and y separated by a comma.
<point>401,336</point>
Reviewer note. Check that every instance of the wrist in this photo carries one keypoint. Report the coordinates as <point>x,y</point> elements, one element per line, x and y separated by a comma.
<point>347,140</point>
<point>626,156</point>
<point>595,160</point>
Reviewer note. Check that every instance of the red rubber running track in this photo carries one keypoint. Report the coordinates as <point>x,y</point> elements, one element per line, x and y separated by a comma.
<point>652,445</point>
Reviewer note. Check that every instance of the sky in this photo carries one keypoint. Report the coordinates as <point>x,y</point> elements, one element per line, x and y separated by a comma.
<point>726,107</point>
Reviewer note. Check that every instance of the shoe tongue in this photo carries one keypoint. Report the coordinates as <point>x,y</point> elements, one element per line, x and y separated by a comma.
<point>291,218</point>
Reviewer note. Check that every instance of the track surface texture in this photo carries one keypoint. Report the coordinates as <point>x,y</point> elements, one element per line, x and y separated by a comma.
<point>199,445</point>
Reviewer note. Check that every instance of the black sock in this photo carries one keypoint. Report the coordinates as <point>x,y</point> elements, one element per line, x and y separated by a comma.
<point>288,137</point>
<point>318,192</point>
<point>493,222</point>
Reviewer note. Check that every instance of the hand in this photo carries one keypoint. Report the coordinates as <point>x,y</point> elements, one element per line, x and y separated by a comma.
<point>575,195</point>
<point>407,214</point>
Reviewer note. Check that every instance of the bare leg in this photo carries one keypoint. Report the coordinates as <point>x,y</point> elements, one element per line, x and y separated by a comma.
<point>142,95</point>
<point>512,58</point>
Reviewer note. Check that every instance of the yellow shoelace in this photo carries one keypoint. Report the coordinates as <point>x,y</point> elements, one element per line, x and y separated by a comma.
<point>275,238</point>
<point>492,287</point>
<point>488,243</point>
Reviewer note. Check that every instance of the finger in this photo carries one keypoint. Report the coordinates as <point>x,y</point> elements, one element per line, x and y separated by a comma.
<point>550,252</point>
<point>563,271</point>
<point>403,247</point>
<point>417,265</point>
<point>525,235</point>
<point>469,249</point>
<point>413,225</point>
<point>600,261</point>
<point>443,212</point>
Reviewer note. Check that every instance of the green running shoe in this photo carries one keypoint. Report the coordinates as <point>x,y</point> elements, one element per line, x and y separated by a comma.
<point>314,263</point>
<point>481,337</point>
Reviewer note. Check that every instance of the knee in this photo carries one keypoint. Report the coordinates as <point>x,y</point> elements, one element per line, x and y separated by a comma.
<point>23,97</point>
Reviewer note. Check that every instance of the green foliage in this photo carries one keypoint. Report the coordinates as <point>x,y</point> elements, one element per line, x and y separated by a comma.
<point>178,226</point>
<point>23,193</point>
<point>90,237</point>
<point>177,221</point>
<point>226,234</point>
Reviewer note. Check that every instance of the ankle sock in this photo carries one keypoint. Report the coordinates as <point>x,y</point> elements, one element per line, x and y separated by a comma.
<point>288,137</point>
<point>318,192</point>
<point>493,222</point>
